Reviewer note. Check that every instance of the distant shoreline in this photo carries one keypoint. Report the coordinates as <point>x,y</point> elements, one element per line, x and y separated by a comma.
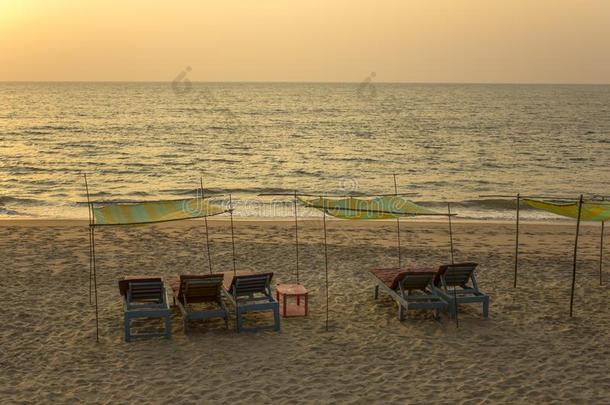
<point>265,220</point>
<point>356,82</point>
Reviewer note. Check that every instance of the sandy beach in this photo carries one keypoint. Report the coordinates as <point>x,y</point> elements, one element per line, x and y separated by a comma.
<point>187,136</point>
<point>529,350</point>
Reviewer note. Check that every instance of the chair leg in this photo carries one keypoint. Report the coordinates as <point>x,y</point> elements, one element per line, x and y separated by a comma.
<point>452,310</point>
<point>126,326</point>
<point>401,315</point>
<point>276,316</point>
<point>486,308</point>
<point>226,313</point>
<point>376,291</point>
<point>168,326</point>
<point>237,320</point>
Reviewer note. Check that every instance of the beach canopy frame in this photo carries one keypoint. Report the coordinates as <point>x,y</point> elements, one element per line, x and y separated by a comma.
<point>103,214</point>
<point>581,210</point>
<point>384,206</point>
<point>594,208</point>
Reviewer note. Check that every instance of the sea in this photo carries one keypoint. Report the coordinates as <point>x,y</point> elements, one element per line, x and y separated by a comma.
<point>459,143</point>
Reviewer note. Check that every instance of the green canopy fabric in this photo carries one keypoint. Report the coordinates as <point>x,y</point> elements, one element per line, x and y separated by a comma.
<point>386,207</point>
<point>591,211</point>
<point>154,211</point>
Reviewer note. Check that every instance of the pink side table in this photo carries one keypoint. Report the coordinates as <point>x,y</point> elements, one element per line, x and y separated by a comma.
<point>284,291</point>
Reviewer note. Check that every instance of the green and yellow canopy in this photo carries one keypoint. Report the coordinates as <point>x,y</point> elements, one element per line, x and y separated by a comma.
<point>154,211</point>
<point>386,207</point>
<point>591,211</point>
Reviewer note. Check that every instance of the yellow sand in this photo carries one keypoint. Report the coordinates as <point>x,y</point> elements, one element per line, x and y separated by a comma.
<point>529,350</point>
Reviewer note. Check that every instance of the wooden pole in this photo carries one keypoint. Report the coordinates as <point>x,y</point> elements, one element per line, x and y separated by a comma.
<point>575,253</point>
<point>296,234</point>
<point>92,260</point>
<point>232,234</point>
<point>601,254</point>
<point>90,242</point>
<point>397,225</point>
<point>517,242</point>
<point>455,303</point>
<point>325,264</point>
<point>97,327</point>
<point>450,231</point>
<point>207,233</point>
<point>90,266</point>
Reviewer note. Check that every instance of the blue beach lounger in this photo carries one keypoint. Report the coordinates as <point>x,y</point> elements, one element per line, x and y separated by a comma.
<point>252,293</point>
<point>145,298</point>
<point>410,288</point>
<point>193,292</point>
<point>457,283</point>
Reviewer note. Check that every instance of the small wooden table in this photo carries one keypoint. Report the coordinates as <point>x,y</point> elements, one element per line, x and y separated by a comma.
<point>292,290</point>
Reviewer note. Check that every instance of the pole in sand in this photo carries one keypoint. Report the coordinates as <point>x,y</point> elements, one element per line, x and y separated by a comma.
<point>450,231</point>
<point>397,225</point>
<point>325,264</point>
<point>205,219</point>
<point>575,253</point>
<point>92,237</point>
<point>232,234</point>
<point>517,241</point>
<point>601,254</point>
<point>455,303</point>
<point>296,234</point>
<point>90,244</point>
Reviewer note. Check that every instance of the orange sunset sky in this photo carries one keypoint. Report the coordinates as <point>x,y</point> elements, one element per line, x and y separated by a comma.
<point>541,41</point>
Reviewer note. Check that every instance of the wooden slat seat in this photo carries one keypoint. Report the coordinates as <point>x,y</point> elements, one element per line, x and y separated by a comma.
<point>252,293</point>
<point>410,288</point>
<point>124,282</point>
<point>391,277</point>
<point>144,297</point>
<point>457,284</point>
<point>198,289</point>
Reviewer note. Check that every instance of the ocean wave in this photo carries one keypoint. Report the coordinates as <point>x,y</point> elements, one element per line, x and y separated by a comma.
<point>139,193</point>
<point>230,190</point>
<point>492,204</point>
<point>98,194</point>
<point>51,127</point>
<point>36,132</point>
<point>12,213</point>
<point>8,200</point>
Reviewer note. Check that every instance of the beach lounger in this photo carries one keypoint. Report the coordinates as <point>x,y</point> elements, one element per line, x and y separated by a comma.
<point>199,289</point>
<point>410,288</point>
<point>252,293</point>
<point>145,298</point>
<point>458,276</point>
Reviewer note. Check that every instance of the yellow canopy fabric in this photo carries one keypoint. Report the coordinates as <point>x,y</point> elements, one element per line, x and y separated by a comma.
<point>154,211</point>
<point>590,211</point>
<point>386,207</point>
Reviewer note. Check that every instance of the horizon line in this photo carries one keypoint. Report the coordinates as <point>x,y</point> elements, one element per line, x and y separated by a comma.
<point>312,82</point>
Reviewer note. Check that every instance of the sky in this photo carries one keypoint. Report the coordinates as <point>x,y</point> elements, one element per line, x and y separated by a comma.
<point>480,41</point>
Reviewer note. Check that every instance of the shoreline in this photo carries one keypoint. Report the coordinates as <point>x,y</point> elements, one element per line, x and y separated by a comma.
<point>265,220</point>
